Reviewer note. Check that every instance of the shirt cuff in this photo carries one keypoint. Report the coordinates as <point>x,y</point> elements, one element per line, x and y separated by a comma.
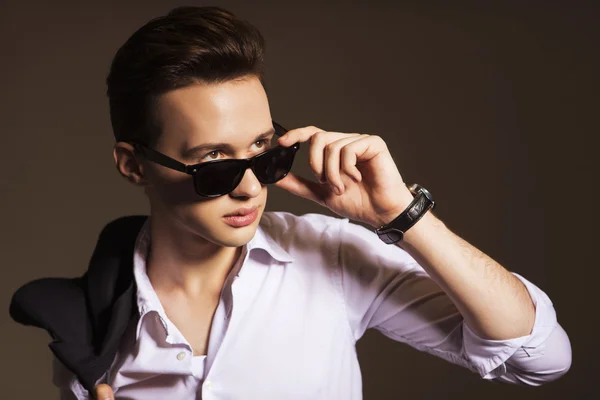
<point>78,390</point>
<point>488,357</point>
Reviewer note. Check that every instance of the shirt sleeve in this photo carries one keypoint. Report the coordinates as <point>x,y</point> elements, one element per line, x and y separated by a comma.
<point>69,386</point>
<point>386,289</point>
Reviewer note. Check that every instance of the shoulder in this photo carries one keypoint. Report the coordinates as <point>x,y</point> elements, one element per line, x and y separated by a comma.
<point>305,226</point>
<point>288,219</point>
<point>351,241</point>
<point>312,226</point>
<point>311,239</point>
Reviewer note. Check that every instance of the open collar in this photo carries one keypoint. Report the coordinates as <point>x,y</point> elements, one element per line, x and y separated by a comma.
<point>146,298</point>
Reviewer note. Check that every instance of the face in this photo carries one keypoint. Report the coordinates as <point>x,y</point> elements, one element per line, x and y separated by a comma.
<point>235,113</point>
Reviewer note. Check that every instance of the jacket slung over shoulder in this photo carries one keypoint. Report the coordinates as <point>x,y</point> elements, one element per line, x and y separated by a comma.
<point>86,316</point>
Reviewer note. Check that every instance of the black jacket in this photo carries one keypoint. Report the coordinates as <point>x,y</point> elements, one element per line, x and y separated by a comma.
<point>87,316</point>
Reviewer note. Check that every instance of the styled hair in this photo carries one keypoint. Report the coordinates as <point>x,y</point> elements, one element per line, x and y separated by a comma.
<point>189,45</point>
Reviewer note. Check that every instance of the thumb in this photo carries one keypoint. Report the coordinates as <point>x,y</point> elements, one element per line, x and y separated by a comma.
<point>303,187</point>
<point>104,392</point>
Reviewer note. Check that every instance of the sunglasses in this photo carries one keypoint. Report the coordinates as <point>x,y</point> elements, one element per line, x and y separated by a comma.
<point>219,177</point>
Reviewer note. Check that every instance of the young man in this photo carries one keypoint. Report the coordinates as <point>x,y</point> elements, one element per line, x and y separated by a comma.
<point>196,302</point>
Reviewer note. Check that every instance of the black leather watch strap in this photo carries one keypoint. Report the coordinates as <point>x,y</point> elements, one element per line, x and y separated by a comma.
<point>394,231</point>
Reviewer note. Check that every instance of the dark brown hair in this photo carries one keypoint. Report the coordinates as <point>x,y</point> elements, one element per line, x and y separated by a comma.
<point>188,45</point>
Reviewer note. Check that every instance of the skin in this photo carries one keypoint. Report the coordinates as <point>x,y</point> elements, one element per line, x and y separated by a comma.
<point>192,248</point>
<point>359,180</point>
<point>356,177</point>
<point>104,392</point>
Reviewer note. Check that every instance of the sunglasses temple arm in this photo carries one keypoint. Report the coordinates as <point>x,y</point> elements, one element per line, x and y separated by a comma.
<point>279,130</point>
<point>164,160</point>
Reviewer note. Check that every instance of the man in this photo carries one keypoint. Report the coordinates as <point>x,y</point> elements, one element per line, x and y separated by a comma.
<point>211,297</point>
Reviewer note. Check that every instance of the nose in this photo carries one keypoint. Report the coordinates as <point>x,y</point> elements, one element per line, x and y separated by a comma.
<point>249,186</point>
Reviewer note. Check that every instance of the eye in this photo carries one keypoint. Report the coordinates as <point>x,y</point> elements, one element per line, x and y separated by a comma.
<point>209,155</point>
<point>265,142</point>
<point>213,155</point>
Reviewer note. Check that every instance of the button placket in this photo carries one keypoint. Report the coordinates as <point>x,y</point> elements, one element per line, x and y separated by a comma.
<point>213,349</point>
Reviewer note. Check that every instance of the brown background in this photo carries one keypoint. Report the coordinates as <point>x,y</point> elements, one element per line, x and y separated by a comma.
<point>493,109</point>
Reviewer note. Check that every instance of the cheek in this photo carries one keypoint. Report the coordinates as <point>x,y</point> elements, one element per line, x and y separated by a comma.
<point>171,188</point>
<point>175,192</point>
<point>204,217</point>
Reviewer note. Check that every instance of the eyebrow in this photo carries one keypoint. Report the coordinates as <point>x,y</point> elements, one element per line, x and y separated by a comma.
<point>196,150</point>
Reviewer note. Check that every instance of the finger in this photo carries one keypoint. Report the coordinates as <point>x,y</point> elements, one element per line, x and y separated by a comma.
<point>315,155</point>
<point>104,392</point>
<point>318,141</point>
<point>368,147</point>
<point>298,135</point>
<point>357,149</point>
<point>332,160</point>
<point>303,187</point>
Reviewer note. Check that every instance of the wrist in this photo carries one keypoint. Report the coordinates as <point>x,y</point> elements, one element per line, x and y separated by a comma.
<point>393,231</point>
<point>404,200</point>
<point>421,231</point>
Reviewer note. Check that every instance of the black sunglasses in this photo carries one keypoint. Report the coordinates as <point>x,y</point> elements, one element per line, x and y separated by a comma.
<point>219,177</point>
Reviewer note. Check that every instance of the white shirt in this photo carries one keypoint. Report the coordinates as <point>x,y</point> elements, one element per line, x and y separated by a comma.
<point>303,291</point>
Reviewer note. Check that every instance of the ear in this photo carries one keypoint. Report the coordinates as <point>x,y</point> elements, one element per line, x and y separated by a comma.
<point>127,164</point>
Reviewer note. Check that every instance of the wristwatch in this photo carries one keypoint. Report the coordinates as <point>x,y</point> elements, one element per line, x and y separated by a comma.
<point>394,231</point>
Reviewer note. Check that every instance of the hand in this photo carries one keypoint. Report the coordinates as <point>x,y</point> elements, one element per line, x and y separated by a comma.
<point>371,189</point>
<point>104,392</point>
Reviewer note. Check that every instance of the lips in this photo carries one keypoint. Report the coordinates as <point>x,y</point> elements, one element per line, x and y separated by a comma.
<point>242,211</point>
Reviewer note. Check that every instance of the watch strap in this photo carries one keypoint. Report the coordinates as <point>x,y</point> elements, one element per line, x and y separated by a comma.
<point>394,231</point>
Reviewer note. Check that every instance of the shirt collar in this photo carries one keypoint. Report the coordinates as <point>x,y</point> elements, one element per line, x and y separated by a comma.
<point>147,299</point>
<point>263,240</point>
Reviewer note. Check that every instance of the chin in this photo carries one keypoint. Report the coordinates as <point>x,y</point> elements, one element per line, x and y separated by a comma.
<point>230,236</point>
<point>236,237</point>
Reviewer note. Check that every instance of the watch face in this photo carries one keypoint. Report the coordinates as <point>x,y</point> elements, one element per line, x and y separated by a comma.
<point>416,189</point>
<point>427,194</point>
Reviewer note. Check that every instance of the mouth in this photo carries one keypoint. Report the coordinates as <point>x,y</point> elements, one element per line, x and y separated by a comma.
<point>242,217</point>
<point>240,212</point>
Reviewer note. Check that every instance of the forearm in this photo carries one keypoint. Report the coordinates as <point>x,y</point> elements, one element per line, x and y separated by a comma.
<point>494,303</point>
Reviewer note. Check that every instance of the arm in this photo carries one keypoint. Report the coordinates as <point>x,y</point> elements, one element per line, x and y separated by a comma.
<point>494,303</point>
<point>423,305</point>
<point>385,288</point>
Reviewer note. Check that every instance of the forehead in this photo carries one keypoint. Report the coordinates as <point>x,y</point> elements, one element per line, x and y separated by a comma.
<point>224,112</point>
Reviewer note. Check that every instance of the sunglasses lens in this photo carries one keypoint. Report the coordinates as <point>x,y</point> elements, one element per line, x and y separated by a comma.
<point>274,164</point>
<point>218,178</point>
<point>221,177</point>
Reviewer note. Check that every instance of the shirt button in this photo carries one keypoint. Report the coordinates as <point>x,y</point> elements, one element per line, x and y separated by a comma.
<point>181,356</point>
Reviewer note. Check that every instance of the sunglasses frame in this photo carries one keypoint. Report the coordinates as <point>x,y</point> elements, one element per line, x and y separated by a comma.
<point>193,169</point>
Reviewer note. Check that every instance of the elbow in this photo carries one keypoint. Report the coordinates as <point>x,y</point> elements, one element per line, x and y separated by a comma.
<point>562,354</point>
<point>557,359</point>
<point>551,376</point>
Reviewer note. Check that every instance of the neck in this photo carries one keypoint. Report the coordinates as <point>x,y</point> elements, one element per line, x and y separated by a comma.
<point>180,261</point>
